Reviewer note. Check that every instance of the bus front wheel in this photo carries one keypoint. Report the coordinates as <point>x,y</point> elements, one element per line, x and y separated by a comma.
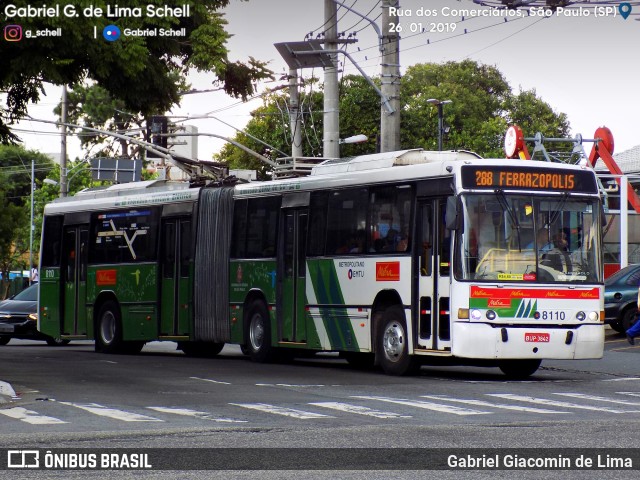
<point>392,344</point>
<point>258,333</point>
<point>519,369</point>
<point>109,329</point>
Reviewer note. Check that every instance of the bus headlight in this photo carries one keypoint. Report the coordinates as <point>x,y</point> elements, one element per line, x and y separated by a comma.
<point>476,314</point>
<point>491,315</point>
<point>593,316</point>
<point>581,316</point>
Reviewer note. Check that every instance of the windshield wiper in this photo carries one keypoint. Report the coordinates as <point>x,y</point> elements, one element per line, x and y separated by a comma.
<point>502,199</point>
<point>558,208</point>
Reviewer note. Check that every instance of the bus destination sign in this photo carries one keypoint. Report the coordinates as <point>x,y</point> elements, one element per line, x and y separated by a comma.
<point>527,178</point>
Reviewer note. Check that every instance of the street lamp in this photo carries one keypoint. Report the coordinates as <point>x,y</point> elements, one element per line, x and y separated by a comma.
<point>439,104</point>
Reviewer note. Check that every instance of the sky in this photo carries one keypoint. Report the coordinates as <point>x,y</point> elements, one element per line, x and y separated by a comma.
<point>582,65</point>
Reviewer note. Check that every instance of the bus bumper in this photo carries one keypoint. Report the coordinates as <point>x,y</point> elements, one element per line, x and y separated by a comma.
<point>483,341</point>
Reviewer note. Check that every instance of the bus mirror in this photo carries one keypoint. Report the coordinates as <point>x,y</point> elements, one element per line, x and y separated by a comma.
<point>452,215</point>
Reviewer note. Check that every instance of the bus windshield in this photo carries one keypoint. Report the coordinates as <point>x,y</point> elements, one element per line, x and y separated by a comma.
<point>529,238</point>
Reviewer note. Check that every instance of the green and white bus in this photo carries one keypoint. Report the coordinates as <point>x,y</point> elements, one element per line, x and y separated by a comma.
<point>392,259</point>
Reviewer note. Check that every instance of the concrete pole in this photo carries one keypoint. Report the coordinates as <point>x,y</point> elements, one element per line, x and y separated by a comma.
<point>63,144</point>
<point>294,114</point>
<point>33,182</point>
<point>331,135</point>
<point>390,78</point>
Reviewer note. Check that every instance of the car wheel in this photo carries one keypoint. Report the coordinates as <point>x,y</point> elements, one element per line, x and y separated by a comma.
<point>617,326</point>
<point>4,339</point>
<point>629,317</point>
<point>57,342</point>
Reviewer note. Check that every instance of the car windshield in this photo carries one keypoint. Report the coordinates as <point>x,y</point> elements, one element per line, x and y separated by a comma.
<point>619,274</point>
<point>529,238</point>
<point>29,294</point>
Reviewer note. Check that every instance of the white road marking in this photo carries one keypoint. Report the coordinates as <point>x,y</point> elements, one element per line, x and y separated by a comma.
<point>481,403</point>
<point>209,380</point>
<point>7,389</point>
<point>29,416</point>
<point>438,407</point>
<point>626,379</point>
<point>632,394</point>
<point>194,413</point>
<point>359,410</point>
<point>554,403</point>
<point>112,412</point>
<point>599,399</point>
<point>287,412</point>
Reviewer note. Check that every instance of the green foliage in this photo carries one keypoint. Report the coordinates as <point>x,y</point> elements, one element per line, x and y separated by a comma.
<point>141,72</point>
<point>482,107</point>
<point>15,196</point>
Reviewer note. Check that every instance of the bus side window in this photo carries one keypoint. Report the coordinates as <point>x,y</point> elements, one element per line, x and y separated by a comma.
<point>426,243</point>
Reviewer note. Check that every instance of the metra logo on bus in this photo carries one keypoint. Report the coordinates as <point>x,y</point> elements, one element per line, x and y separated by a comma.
<point>499,303</point>
<point>387,271</point>
<point>106,277</point>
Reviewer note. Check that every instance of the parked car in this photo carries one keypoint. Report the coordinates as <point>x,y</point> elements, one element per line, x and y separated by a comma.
<point>621,298</point>
<point>19,318</point>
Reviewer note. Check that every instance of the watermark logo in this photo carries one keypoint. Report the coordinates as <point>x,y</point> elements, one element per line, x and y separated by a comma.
<point>23,459</point>
<point>13,33</point>
<point>111,33</point>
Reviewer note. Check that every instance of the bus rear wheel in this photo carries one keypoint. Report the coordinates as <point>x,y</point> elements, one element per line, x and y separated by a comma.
<point>519,369</point>
<point>109,329</point>
<point>392,350</point>
<point>258,333</point>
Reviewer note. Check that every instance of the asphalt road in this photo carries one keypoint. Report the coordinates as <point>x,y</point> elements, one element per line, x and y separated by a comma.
<point>71,397</point>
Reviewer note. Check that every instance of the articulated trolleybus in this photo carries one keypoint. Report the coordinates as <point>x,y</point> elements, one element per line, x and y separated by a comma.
<point>392,259</point>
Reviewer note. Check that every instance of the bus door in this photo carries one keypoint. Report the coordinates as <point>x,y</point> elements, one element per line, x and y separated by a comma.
<point>175,294</point>
<point>74,279</point>
<point>434,265</point>
<point>292,271</point>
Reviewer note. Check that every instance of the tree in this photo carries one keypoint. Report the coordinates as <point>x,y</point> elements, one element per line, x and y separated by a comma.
<point>15,195</point>
<point>144,72</point>
<point>482,107</point>
<point>270,123</point>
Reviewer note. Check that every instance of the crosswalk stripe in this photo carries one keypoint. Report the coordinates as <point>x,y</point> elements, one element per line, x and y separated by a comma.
<point>112,412</point>
<point>599,399</point>
<point>481,403</point>
<point>359,410</point>
<point>29,416</point>
<point>632,394</point>
<point>287,412</point>
<point>438,407</point>
<point>554,403</point>
<point>195,413</point>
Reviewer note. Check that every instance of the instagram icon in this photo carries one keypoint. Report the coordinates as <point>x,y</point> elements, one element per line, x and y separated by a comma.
<point>13,33</point>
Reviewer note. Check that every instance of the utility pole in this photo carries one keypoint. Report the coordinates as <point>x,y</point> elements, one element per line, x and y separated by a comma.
<point>331,135</point>
<point>390,78</point>
<point>33,173</point>
<point>294,114</point>
<point>63,143</point>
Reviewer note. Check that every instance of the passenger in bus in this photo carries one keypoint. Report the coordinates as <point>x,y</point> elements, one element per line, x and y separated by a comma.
<point>357,245</point>
<point>558,258</point>
<point>390,241</point>
<point>403,243</point>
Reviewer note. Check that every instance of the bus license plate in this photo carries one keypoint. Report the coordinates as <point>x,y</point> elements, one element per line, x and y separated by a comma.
<point>537,337</point>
